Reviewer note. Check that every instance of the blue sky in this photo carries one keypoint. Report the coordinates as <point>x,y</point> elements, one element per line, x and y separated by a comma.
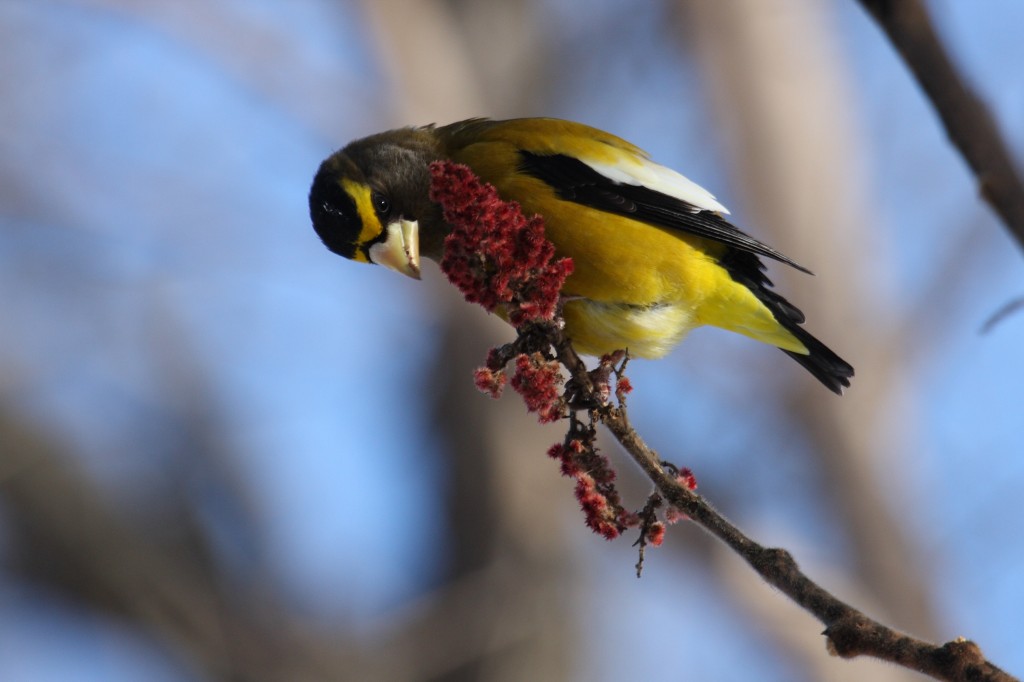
<point>155,198</point>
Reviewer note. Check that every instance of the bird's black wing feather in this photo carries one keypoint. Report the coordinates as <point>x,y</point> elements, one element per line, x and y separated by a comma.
<point>575,181</point>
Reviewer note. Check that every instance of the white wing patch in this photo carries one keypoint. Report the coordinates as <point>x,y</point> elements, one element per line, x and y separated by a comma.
<point>639,171</point>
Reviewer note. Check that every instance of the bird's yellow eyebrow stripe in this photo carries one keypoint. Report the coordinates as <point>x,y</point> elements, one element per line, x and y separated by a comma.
<point>371,227</point>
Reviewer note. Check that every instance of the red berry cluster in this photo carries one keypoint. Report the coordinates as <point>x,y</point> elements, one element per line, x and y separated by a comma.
<point>493,254</point>
<point>537,379</point>
<point>595,483</point>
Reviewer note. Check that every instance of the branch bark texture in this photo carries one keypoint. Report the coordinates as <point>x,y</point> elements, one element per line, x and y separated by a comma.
<point>849,632</point>
<point>970,126</point>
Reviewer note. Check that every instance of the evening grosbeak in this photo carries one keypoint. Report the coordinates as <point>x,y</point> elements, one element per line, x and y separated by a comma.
<point>653,255</point>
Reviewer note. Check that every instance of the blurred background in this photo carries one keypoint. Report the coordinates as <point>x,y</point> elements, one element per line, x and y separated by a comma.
<point>226,454</point>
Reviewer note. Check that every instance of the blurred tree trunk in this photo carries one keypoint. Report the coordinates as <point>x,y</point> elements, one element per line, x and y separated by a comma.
<point>780,92</point>
<point>506,501</point>
<point>505,608</point>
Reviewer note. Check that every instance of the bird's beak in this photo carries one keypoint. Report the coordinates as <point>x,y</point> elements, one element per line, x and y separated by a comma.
<point>400,250</point>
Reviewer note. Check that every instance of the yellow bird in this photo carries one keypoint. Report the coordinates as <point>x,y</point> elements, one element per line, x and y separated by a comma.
<point>653,254</point>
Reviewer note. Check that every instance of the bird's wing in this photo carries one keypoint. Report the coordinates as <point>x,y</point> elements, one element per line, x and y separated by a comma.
<point>641,189</point>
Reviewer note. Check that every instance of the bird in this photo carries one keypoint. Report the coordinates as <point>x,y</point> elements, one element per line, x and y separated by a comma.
<point>654,255</point>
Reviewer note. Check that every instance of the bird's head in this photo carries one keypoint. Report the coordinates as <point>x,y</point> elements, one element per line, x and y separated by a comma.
<point>370,201</point>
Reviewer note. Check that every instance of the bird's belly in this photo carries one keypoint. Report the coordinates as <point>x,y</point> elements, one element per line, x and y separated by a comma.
<point>648,331</point>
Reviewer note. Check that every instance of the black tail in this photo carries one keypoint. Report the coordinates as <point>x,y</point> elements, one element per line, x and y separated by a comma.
<point>827,367</point>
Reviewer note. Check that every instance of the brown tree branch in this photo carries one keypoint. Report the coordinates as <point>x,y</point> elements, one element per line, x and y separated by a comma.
<point>968,122</point>
<point>849,632</point>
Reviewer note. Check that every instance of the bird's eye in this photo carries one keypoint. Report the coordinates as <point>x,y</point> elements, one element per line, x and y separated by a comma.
<point>380,203</point>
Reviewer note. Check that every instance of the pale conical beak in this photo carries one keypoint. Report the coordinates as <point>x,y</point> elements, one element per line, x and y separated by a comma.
<point>400,250</point>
